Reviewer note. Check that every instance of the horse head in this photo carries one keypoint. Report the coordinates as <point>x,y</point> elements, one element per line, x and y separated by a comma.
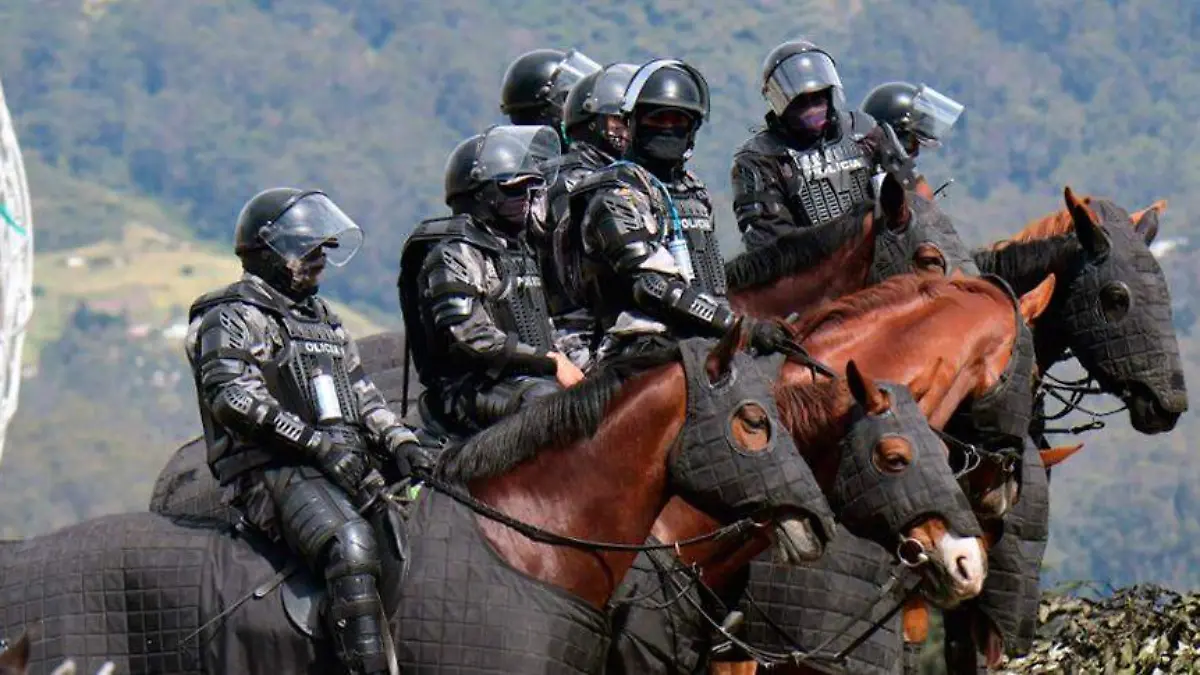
<point>1112,309</point>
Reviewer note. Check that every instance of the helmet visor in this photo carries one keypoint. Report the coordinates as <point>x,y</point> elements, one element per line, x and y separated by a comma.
<point>574,67</point>
<point>642,77</point>
<point>312,222</point>
<point>799,74</point>
<point>934,113</point>
<point>512,151</point>
<point>609,91</point>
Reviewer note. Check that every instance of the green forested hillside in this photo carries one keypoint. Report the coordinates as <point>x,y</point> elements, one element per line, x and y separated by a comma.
<point>173,113</point>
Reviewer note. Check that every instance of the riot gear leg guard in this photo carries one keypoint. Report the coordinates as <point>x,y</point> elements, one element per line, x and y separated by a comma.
<point>321,523</point>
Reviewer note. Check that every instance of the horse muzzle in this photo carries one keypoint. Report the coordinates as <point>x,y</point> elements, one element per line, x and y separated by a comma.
<point>1151,412</point>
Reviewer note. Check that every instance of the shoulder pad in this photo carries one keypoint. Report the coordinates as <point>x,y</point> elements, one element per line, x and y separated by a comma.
<point>239,291</point>
<point>859,123</point>
<point>691,181</point>
<point>624,174</point>
<point>764,142</point>
<point>452,228</point>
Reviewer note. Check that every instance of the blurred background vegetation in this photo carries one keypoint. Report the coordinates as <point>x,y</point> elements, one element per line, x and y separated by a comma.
<point>146,124</point>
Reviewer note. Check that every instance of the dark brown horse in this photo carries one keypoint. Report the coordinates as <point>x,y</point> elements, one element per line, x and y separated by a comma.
<point>948,340</point>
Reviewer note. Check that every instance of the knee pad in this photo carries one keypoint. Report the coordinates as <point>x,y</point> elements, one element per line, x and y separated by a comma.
<point>353,551</point>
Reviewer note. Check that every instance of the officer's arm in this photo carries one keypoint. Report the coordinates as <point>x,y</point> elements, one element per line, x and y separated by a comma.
<point>615,222</point>
<point>883,147</point>
<point>383,426</point>
<point>232,343</point>
<point>759,197</point>
<point>453,278</point>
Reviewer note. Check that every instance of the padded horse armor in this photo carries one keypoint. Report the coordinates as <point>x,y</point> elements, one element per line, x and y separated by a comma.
<point>894,251</point>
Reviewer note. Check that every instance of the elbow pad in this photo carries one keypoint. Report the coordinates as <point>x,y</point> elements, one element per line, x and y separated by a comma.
<point>657,293</point>
<point>238,410</point>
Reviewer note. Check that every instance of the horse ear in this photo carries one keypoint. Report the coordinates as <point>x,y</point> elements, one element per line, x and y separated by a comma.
<point>1092,237</point>
<point>1036,301</point>
<point>865,391</point>
<point>894,202</point>
<point>16,656</point>
<point>1052,456</point>
<point>720,357</point>
<point>1145,222</point>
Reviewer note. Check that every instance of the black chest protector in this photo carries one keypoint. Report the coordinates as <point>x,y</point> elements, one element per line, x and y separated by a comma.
<point>827,181</point>
<point>683,203</point>
<point>562,257</point>
<point>517,304</point>
<point>308,376</point>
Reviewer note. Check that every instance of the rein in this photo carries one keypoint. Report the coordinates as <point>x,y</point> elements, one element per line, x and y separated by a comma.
<point>737,528</point>
<point>1070,393</point>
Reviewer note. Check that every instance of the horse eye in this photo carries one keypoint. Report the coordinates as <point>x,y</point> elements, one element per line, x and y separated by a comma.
<point>1115,301</point>
<point>756,422</point>
<point>896,463</point>
<point>928,262</point>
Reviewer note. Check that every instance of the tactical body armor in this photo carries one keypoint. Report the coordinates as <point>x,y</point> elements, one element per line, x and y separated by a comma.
<point>309,378</point>
<point>275,381</point>
<point>475,314</point>
<point>777,187</point>
<point>622,219</point>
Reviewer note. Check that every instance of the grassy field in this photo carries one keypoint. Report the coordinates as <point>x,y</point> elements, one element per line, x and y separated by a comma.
<point>147,274</point>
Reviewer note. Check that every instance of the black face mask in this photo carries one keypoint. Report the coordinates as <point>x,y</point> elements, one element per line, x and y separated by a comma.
<point>515,210</point>
<point>669,146</point>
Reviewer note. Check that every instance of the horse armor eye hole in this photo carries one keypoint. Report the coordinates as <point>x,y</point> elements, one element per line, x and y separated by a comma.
<point>892,455</point>
<point>1115,300</point>
<point>751,428</point>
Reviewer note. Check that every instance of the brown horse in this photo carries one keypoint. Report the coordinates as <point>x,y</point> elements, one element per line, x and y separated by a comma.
<point>955,339</point>
<point>903,233</point>
<point>641,428</point>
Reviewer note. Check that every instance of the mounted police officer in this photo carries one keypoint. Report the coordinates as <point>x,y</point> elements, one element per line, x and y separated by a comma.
<point>536,85</point>
<point>599,136</point>
<point>641,247</point>
<point>919,115</point>
<point>470,288</point>
<point>291,422</point>
<point>814,160</point>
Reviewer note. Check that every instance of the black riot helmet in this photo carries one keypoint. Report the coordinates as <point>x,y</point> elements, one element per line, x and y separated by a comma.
<point>286,235</point>
<point>664,85</point>
<point>595,99</point>
<point>800,67</point>
<point>919,114</point>
<point>500,176</point>
<point>536,84</point>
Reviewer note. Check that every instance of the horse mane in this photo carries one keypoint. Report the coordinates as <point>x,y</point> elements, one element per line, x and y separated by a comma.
<point>890,292</point>
<point>553,421</point>
<point>801,249</point>
<point>1059,223</point>
<point>1025,264</point>
<point>803,408</point>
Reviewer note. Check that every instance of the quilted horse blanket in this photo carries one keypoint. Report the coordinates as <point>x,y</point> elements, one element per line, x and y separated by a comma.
<point>136,589</point>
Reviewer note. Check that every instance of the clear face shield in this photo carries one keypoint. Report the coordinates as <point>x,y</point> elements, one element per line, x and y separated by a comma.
<point>574,67</point>
<point>801,74</point>
<point>609,91</point>
<point>314,222</point>
<point>934,114</point>
<point>511,151</point>
<point>642,76</point>
<point>521,162</point>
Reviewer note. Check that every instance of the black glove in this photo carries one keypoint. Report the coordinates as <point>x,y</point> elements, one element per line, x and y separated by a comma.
<point>768,336</point>
<point>410,455</point>
<point>344,465</point>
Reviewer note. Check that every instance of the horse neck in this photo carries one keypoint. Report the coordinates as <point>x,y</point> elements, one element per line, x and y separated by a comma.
<point>1024,264</point>
<point>816,416</point>
<point>609,487</point>
<point>845,270</point>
